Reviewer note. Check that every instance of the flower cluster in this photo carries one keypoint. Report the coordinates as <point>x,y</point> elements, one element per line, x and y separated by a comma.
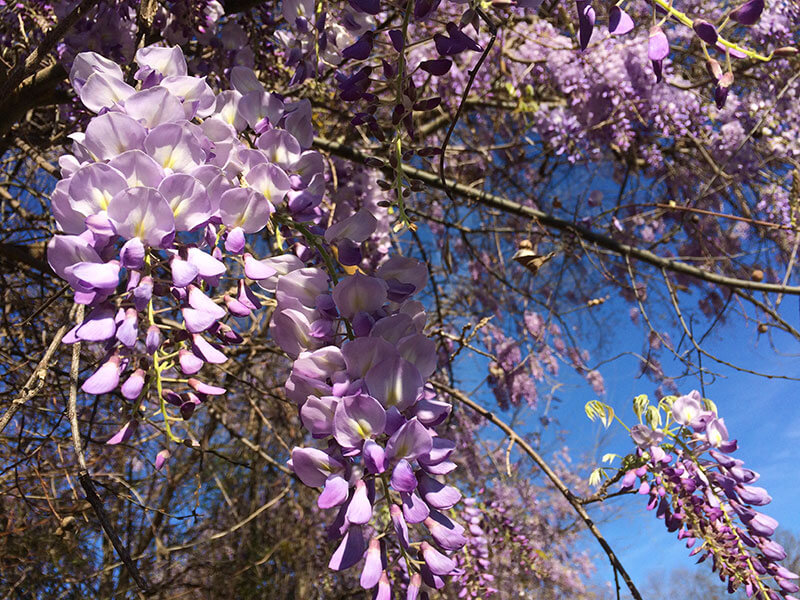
<point>165,184</point>
<point>361,362</point>
<point>704,494</point>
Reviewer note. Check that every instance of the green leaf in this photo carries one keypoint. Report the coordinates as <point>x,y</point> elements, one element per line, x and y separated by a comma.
<point>640,404</point>
<point>609,458</point>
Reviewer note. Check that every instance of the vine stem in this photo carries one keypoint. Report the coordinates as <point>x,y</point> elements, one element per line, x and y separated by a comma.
<point>573,500</point>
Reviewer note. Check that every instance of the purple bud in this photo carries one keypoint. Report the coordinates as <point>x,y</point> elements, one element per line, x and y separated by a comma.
<point>359,511</point>
<point>374,457</point>
<point>619,22</point>
<point>586,18</point>
<point>438,563</point>
<point>721,91</point>
<point>373,565</point>
<point>105,379</point>
<point>335,492</point>
<point>749,12</point>
<point>657,45</point>
<point>128,329</point>
<point>235,240</point>
<point>399,524</point>
<point>436,493</point>
<point>204,388</point>
<point>133,385</point>
<point>190,363</point>
<point>403,478</point>
<point>414,508</point>
<point>161,458</point>
<point>131,254</point>
<point>705,31</point>
<point>124,434</point>
<point>153,339</point>
<point>448,534</point>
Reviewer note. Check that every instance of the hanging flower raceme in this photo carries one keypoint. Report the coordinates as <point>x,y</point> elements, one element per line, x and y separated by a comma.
<point>361,362</point>
<point>686,470</point>
<point>159,199</point>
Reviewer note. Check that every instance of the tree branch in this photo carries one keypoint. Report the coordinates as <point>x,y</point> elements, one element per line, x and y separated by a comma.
<point>548,220</point>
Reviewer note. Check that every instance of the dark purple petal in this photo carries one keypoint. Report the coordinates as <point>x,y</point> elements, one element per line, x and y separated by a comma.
<point>350,550</point>
<point>586,19</point>
<point>371,7</point>
<point>361,49</point>
<point>424,8</point>
<point>396,36</point>
<point>437,67</point>
<point>721,90</point>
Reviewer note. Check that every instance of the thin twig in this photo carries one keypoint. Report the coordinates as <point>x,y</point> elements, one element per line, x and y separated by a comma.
<point>36,380</point>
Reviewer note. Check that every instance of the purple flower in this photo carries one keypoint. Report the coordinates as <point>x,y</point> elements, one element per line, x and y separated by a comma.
<point>359,293</point>
<point>410,441</point>
<point>313,466</point>
<point>403,477</point>
<point>686,409</point>
<point>143,213</point>
<point>357,418</point>
<point>394,382</point>
<point>645,437</point>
